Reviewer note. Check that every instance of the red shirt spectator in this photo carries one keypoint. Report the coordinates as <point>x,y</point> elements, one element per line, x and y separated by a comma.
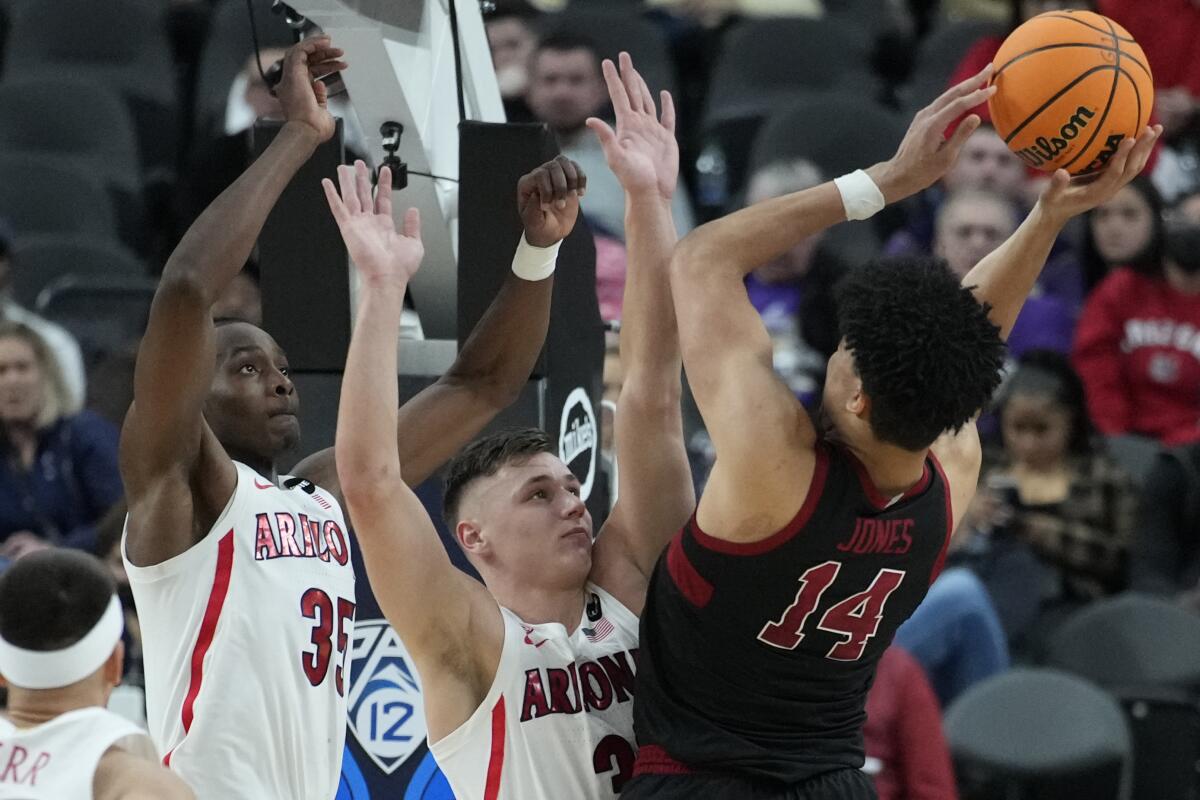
<point>904,732</point>
<point>1137,349</point>
<point>1168,31</point>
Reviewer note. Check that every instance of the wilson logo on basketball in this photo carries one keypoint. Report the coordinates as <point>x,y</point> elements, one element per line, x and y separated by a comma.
<point>1045,149</point>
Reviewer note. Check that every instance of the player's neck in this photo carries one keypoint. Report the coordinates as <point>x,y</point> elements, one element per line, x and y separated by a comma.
<point>892,470</point>
<point>537,605</point>
<point>28,708</point>
<point>263,466</point>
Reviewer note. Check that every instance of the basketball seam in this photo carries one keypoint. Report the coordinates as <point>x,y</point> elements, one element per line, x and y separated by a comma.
<point>1137,93</point>
<point>1052,100</point>
<point>1063,45</point>
<point>1110,31</point>
<point>1112,93</point>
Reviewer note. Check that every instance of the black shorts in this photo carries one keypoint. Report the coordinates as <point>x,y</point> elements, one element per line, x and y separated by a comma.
<point>840,784</point>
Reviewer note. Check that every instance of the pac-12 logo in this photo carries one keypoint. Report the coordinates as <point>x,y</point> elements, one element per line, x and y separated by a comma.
<point>386,712</point>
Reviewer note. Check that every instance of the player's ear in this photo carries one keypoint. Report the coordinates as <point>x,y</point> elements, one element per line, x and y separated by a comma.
<point>468,532</point>
<point>858,403</point>
<point>114,667</point>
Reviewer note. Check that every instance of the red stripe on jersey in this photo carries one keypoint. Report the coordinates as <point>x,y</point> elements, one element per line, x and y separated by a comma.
<point>495,768</point>
<point>691,583</point>
<point>941,559</point>
<point>874,496</point>
<point>815,488</point>
<point>208,628</point>
<point>653,760</point>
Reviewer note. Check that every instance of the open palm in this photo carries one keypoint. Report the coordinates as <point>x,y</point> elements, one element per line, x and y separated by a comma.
<point>642,152</point>
<point>381,254</point>
<point>1066,196</point>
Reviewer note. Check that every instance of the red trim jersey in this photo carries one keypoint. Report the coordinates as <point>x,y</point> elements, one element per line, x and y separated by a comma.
<point>245,637</point>
<point>756,658</point>
<point>57,760</point>
<point>557,722</point>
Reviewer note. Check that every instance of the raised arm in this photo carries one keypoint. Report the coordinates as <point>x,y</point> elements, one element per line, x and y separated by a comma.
<point>1004,278</point>
<point>494,363</point>
<point>763,436</point>
<point>444,617</point>
<point>655,494</point>
<point>165,447</point>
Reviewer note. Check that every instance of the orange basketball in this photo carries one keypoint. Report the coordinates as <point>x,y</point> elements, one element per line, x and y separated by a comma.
<point>1070,86</point>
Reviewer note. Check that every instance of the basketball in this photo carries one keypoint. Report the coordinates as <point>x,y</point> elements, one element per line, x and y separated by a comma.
<point>1071,85</point>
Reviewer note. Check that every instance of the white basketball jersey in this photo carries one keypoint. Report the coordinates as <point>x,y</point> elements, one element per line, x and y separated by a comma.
<point>558,720</point>
<point>244,640</point>
<point>57,759</point>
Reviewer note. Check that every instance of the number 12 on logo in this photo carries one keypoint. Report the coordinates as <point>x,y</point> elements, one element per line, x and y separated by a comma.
<point>856,618</point>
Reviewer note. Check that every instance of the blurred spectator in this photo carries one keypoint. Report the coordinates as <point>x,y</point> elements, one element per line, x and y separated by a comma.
<point>794,293</point>
<point>512,39</point>
<point>566,87</point>
<point>903,733</point>
<point>955,634</point>
<point>1051,525</point>
<point>611,260</point>
<point>1166,547</point>
<point>242,298</point>
<point>971,223</point>
<point>712,13</point>
<point>1138,344</point>
<point>1127,231</point>
<point>62,344</point>
<point>986,163</point>
<point>58,475</point>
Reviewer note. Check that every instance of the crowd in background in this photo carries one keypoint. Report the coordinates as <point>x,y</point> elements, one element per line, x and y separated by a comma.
<point>1091,480</point>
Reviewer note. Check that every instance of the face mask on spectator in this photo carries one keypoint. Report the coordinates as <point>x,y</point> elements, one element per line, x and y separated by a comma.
<point>1183,245</point>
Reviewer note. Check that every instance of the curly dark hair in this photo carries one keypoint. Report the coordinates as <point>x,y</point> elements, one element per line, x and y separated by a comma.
<point>928,355</point>
<point>485,457</point>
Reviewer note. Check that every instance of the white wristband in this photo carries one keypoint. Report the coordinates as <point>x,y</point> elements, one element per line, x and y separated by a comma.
<point>534,263</point>
<point>860,196</point>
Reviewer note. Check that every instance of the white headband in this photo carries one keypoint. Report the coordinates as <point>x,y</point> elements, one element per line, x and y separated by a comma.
<point>53,669</point>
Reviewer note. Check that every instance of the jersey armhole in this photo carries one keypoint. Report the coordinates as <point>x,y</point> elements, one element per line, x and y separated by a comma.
<point>185,560</point>
<point>481,717</point>
<point>949,495</point>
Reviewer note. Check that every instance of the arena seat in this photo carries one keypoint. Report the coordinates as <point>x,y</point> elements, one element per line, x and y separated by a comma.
<point>38,261</point>
<point>1038,734</point>
<point>1130,640</point>
<point>48,197</point>
<point>80,124</point>
<point>120,43</point>
<point>938,56</point>
<point>105,313</point>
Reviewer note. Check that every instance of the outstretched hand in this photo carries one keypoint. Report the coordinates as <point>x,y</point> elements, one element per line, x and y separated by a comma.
<point>301,92</point>
<point>1065,197</point>
<point>642,152</point>
<point>925,154</point>
<point>381,255</point>
<point>548,200</point>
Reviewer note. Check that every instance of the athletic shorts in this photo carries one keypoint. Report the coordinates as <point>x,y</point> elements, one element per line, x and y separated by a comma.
<point>840,784</point>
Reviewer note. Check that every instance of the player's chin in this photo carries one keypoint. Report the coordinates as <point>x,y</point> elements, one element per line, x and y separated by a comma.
<point>286,436</point>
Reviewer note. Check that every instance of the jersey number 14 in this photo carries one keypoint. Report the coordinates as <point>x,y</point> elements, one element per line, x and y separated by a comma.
<point>856,619</point>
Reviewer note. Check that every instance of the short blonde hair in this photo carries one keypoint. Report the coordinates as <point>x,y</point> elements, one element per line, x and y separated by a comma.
<point>55,399</point>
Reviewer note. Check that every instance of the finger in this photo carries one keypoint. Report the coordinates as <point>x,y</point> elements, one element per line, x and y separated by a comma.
<point>668,111</point>
<point>412,224</point>
<point>349,194</point>
<point>340,214</point>
<point>962,133</point>
<point>647,95</point>
<point>959,90</point>
<point>383,192</point>
<point>582,190</point>
<point>616,89</point>
<point>1142,150</point>
<point>629,78</point>
<point>956,108</point>
<point>1114,171</point>
<point>362,183</point>
<point>571,173</point>
<point>545,187</point>
<point>603,132</point>
<point>558,179</point>
<point>323,68</point>
<point>320,93</point>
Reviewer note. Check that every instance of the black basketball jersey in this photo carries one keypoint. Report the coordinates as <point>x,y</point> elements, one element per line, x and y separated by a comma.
<point>756,658</point>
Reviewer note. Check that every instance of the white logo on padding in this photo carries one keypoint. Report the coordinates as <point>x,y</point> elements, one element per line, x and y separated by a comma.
<point>386,712</point>
<point>577,437</point>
